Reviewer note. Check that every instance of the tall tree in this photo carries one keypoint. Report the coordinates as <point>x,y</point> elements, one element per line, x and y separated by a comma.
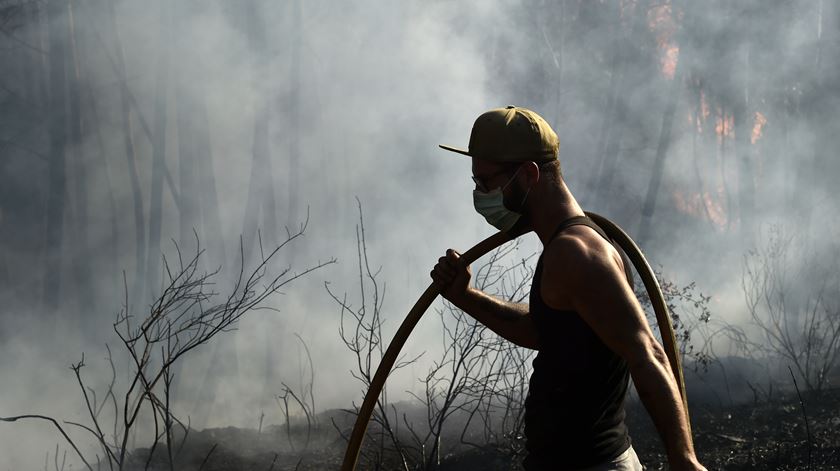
<point>260,210</point>
<point>817,172</point>
<point>189,159</point>
<point>109,251</point>
<point>27,52</point>
<point>663,145</point>
<point>37,31</point>
<point>158,150</point>
<point>189,167</point>
<point>81,267</point>
<point>199,207</point>
<point>261,199</point>
<point>294,114</point>
<point>743,123</point>
<point>609,120</point>
<point>699,137</point>
<point>57,18</point>
<point>626,80</point>
<point>130,151</point>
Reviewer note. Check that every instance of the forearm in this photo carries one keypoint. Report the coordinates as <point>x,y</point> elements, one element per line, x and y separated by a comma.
<point>660,394</point>
<point>510,320</point>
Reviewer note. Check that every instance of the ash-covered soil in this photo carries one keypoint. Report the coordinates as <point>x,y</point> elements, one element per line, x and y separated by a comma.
<point>765,435</point>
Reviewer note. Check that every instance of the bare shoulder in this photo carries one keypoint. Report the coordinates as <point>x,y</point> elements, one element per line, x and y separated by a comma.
<point>576,247</point>
<point>577,259</point>
<point>583,272</point>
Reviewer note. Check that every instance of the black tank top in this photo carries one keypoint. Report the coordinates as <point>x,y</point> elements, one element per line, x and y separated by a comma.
<point>574,412</point>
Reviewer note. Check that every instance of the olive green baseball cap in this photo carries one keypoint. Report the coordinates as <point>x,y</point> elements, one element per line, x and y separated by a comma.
<point>511,134</point>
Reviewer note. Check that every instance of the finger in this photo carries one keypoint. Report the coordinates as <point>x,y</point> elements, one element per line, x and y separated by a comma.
<point>439,282</point>
<point>447,269</point>
<point>450,263</point>
<point>453,257</point>
<point>444,274</point>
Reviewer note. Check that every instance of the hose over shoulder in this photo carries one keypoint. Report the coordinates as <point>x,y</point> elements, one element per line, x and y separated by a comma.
<point>354,445</point>
<point>657,300</point>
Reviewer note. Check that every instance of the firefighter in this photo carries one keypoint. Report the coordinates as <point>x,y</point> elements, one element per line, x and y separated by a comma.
<point>582,316</point>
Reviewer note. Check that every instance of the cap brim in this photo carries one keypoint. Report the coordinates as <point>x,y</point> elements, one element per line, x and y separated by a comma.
<point>455,149</point>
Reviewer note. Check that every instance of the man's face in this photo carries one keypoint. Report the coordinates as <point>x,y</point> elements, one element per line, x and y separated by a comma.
<point>491,175</point>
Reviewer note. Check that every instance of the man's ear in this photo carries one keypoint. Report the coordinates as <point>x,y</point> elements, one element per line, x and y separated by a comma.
<point>532,172</point>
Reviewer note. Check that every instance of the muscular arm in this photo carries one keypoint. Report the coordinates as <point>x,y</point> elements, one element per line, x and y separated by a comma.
<point>510,320</point>
<point>659,393</point>
<point>587,275</point>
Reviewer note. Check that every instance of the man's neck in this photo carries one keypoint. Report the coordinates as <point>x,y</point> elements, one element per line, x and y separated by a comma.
<point>559,206</point>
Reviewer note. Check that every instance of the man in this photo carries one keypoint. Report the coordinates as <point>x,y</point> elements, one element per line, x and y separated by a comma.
<point>582,315</point>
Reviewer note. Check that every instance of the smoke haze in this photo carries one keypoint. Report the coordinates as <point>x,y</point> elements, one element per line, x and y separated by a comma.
<point>295,109</point>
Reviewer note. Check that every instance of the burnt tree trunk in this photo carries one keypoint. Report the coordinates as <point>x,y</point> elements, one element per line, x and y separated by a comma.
<point>260,218</point>
<point>57,19</point>
<point>81,269</point>
<point>743,126</point>
<point>699,144</point>
<point>35,18</point>
<point>26,55</point>
<point>100,167</point>
<point>609,123</point>
<point>130,153</point>
<point>294,118</point>
<point>158,152</point>
<point>104,168</point>
<point>198,202</point>
<point>818,172</point>
<point>623,87</point>
<point>188,163</point>
<point>723,153</point>
<point>210,216</point>
<point>662,147</point>
<point>261,201</point>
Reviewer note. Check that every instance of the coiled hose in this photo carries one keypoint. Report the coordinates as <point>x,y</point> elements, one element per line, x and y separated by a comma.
<point>660,307</point>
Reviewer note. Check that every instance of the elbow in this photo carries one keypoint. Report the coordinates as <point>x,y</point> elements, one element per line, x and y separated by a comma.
<point>524,337</point>
<point>657,353</point>
<point>523,332</point>
<point>649,353</point>
<point>530,343</point>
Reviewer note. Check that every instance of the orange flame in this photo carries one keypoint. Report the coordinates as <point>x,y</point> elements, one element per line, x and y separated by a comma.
<point>704,206</point>
<point>758,125</point>
<point>662,22</point>
<point>704,106</point>
<point>699,120</point>
<point>725,126</point>
<point>668,63</point>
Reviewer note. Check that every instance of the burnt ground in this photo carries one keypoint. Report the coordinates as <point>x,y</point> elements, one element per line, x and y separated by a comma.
<point>767,435</point>
<point>761,435</point>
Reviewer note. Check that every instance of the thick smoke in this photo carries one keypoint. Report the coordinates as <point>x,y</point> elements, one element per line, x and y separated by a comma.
<point>337,103</point>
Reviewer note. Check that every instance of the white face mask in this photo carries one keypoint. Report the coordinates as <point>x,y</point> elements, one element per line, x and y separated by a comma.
<point>491,205</point>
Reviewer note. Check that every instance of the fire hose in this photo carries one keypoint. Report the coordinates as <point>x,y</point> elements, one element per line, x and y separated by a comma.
<point>612,230</point>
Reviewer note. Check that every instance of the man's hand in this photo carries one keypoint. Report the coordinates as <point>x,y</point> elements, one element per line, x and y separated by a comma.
<point>452,277</point>
<point>510,320</point>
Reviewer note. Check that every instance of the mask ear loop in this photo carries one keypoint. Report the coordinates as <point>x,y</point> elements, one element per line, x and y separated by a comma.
<point>511,179</point>
<point>522,203</point>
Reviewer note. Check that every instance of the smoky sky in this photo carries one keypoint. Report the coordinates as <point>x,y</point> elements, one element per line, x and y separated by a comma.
<point>352,99</point>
